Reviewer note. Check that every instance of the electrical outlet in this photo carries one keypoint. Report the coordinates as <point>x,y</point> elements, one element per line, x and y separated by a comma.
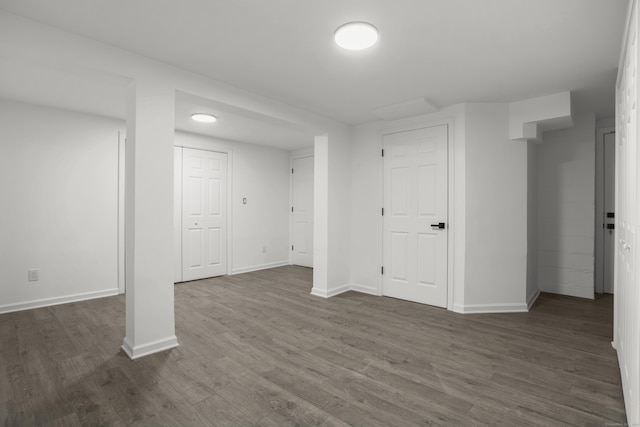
<point>34,274</point>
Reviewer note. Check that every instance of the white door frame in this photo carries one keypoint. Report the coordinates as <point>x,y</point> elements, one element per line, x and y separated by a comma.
<point>298,154</point>
<point>599,238</point>
<point>451,224</point>
<point>121,238</point>
<point>229,245</point>
<point>177,214</point>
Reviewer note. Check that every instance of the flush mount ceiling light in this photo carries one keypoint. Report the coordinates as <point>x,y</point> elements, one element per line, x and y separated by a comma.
<point>356,35</point>
<point>204,117</point>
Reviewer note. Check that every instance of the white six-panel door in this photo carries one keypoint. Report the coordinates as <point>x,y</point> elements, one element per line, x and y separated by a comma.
<point>204,214</point>
<point>627,231</point>
<point>302,212</point>
<point>415,203</point>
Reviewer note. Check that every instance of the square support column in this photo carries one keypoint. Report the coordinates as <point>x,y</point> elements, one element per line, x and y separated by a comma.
<point>321,216</point>
<point>150,320</point>
<point>331,215</point>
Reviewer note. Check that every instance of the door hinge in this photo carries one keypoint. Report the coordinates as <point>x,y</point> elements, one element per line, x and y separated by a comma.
<point>381,270</point>
<point>382,211</point>
<point>291,208</point>
<point>291,170</point>
<point>383,152</point>
<point>291,247</point>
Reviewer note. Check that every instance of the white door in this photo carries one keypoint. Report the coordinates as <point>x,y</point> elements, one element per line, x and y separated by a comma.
<point>627,294</point>
<point>627,272</point>
<point>204,214</point>
<point>302,212</point>
<point>608,219</point>
<point>177,214</point>
<point>415,215</point>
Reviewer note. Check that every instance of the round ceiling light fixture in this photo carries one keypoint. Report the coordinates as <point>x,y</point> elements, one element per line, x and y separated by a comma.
<point>204,117</point>
<point>356,35</point>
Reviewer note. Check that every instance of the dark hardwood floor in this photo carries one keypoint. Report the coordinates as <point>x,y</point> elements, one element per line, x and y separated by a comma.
<point>258,349</point>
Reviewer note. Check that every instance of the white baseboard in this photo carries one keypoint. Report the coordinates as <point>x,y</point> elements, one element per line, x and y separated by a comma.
<point>330,292</point>
<point>464,309</point>
<point>138,351</point>
<point>569,290</point>
<point>490,308</point>
<point>532,299</point>
<point>364,289</point>
<point>259,267</point>
<point>46,302</point>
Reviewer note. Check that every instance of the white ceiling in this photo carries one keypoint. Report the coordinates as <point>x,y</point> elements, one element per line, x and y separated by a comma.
<point>449,51</point>
<point>239,125</point>
<point>105,95</point>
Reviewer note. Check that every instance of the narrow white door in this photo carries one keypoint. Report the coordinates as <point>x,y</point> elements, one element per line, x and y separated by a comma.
<point>627,258</point>
<point>302,212</point>
<point>204,214</point>
<point>415,215</point>
<point>627,294</point>
<point>608,221</point>
<point>177,214</point>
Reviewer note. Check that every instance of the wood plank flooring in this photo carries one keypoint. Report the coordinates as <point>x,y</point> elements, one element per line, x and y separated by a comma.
<point>258,350</point>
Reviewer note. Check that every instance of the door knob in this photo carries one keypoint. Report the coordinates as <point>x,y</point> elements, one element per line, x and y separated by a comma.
<point>439,225</point>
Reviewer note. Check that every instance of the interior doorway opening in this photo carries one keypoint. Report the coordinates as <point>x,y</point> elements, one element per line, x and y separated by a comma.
<point>605,210</point>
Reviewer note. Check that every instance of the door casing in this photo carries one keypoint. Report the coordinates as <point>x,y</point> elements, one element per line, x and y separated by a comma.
<point>451,225</point>
<point>178,209</point>
<point>600,209</point>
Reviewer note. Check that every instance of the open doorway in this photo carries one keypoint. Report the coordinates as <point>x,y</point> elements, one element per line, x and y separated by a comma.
<point>248,156</point>
<point>605,210</point>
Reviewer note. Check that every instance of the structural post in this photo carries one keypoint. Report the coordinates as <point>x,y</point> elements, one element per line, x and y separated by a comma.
<point>320,216</point>
<point>150,320</point>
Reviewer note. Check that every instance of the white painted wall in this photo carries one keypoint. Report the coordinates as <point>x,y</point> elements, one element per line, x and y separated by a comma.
<point>59,184</point>
<point>366,203</point>
<point>532,225</point>
<point>566,207</point>
<point>487,210</point>
<point>23,40</point>
<point>261,175</point>
<point>339,174</point>
<point>496,213</point>
<point>321,216</point>
<point>366,198</point>
<point>606,122</point>
<point>529,117</point>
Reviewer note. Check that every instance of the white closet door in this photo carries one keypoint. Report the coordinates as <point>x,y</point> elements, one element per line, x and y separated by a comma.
<point>204,214</point>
